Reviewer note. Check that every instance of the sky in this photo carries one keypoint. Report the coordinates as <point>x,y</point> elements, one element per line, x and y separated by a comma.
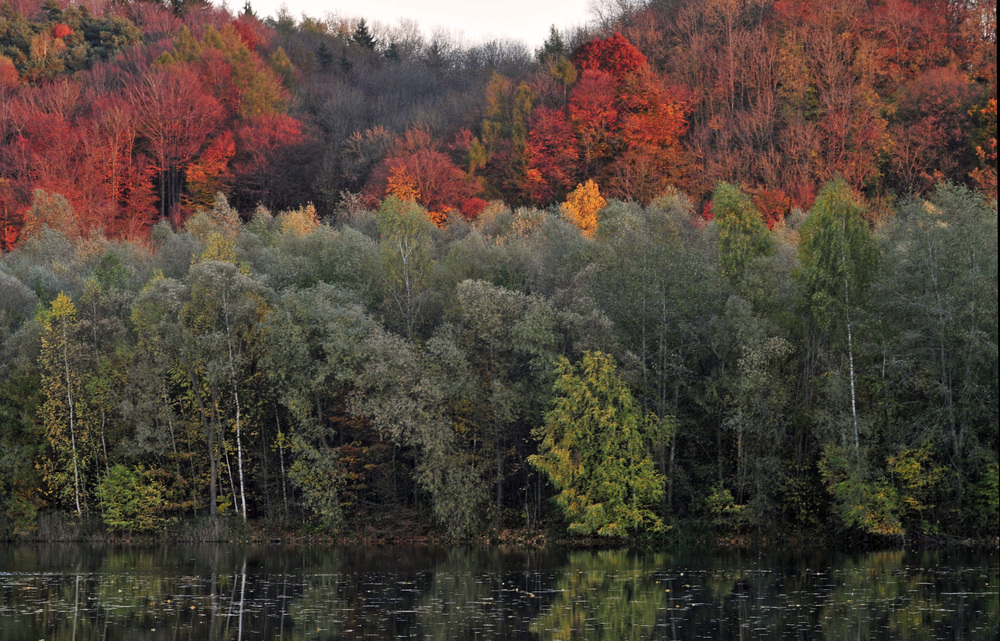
<point>473,20</point>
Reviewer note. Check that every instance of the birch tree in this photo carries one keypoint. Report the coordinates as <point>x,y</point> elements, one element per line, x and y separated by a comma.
<point>839,256</point>
<point>62,385</point>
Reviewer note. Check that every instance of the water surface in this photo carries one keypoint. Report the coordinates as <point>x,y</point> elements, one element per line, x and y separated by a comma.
<point>219,592</point>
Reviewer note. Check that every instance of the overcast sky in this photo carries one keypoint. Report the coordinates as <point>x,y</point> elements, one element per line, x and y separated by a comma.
<point>475,20</point>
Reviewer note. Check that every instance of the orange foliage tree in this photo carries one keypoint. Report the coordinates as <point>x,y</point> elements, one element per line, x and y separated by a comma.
<point>985,173</point>
<point>210,172</point>
<point>401,184</point>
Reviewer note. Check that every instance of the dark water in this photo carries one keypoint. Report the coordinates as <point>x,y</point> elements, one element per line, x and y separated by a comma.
<point>70,593</point>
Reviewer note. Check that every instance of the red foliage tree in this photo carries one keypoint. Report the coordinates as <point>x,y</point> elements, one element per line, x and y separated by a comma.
<point>615,55</point>
<point>253,32</point>
<point>773,205</point>
<point>627,125</point>
<point>78,143</point>
<point>272,162</point>
<point>552,156</point>
<point>594,114</point>
<point>122,189</point>
<point>908,37</point>
<point>175,117</point>
<point>8,237</point>
<point>651,127</point>
<point>440,185</point>
<point>45,147</point>
<point>931,131</point>
<point>61,31</point>
<point>472,207</point>
<point>11,216</point>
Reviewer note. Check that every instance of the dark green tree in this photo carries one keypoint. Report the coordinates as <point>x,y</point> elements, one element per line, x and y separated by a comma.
<point>363,37</point>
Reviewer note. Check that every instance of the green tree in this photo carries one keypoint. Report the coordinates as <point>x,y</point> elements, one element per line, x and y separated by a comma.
<point>758,407</point>
<point>742,234</point>
<point>206,333</point>
<point>404,394</point>
<point>493,354</point>
<point>657,279</point>
<point>363,37</point>
<point>21,444</point>
<point>936,303</point>
<point>553,47</point>
<point>131,501</point>
<point>161,430</point>
<point>312,341</point>
<point>405,262</point>
<point>222,315</point>
<point>593,450</point>
<point>839,256</point>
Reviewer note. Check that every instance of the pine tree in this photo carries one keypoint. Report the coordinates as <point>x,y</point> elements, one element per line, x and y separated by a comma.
<point>363,37</point>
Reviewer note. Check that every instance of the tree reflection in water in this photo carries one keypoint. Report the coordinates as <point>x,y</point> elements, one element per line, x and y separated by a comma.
<point>226,593</point>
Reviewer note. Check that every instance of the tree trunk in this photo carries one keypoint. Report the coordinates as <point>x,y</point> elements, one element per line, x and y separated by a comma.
<point>281,455</point>
<point>499,450</point>
<point>72,419</point>
<point>850,359</point>
<point>208,423</point>
<point>236,400</point>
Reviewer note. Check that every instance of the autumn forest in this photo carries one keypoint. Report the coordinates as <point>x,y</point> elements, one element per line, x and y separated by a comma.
<point>715,270</point>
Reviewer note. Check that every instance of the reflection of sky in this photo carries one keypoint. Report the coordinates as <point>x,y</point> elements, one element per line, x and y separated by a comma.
<point>475,20</point>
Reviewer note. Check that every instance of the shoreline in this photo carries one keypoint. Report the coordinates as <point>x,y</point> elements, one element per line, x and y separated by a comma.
<point>414,533</point>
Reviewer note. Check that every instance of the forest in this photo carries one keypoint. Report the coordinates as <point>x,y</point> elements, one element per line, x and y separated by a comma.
<point>720,270</point>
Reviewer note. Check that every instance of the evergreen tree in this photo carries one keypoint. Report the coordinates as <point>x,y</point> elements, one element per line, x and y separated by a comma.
<point>363,37</point>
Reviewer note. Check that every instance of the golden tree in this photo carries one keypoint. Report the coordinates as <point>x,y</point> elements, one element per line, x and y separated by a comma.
<point>582,207</point>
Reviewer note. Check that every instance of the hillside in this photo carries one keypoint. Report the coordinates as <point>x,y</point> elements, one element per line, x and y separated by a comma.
<point>725,268</point>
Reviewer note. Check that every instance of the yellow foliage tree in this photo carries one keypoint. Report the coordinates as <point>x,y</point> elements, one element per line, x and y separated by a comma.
<point>219,246</point>
<point>301,222</point>
<point>582,207</point>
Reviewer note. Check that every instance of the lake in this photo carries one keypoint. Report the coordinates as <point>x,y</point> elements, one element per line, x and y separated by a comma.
<point>56,592</point>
